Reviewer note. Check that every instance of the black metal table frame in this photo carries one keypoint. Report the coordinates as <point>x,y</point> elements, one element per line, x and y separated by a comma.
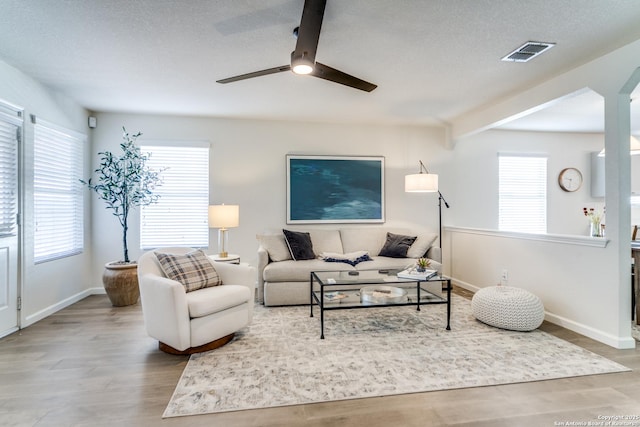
<point>319,298</point>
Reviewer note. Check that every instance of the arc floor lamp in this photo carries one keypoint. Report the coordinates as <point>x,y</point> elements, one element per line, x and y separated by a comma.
<point>425,182</point>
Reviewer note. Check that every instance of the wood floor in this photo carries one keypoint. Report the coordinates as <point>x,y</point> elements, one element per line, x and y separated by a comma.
<point>93,365</point>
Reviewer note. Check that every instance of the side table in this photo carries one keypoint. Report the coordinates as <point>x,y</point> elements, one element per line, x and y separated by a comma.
<point>230,258</point>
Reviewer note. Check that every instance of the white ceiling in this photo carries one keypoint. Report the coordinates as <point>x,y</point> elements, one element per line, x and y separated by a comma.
<point>432,60</point>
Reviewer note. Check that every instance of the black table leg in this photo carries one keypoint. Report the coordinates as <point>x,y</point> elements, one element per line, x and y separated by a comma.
<point>448,304</point>
<point>321,312</point>
<point>311,294</point>
<point>418,291</point>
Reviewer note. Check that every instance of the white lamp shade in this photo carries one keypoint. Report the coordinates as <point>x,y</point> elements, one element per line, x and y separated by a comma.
<point>224,216</point>
<point>421,183</point>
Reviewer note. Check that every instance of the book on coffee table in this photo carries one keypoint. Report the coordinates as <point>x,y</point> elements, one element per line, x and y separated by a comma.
<point>412,273</point>
<point>334,296</point>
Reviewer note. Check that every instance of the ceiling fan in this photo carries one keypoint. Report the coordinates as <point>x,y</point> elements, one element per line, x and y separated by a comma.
<point>303,58</point>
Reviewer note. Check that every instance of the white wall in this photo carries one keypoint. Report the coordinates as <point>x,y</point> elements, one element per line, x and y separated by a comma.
<point>475,170</point>
<point>248,168</point>
<point>596,304</point>
<point>567,276</point>
<point>49,286</point>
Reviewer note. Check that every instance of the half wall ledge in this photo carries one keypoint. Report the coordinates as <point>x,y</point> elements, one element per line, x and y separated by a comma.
<point>598,242</point>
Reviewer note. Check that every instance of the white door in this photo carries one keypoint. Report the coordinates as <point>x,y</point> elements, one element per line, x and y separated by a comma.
<point>9,140</point>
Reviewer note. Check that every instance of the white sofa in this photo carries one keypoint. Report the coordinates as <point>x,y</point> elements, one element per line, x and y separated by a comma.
<point>190,322</point>
<point>283,281</point>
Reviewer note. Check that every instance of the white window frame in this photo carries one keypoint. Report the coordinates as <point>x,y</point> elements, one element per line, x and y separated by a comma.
<point>11,123</point>
<point>58,201</point>
<point>180,217</point>
<point>522,193</point>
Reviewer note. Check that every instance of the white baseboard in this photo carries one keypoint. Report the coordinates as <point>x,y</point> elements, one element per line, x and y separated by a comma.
<point>8,332</point>
<point>596,334</point>
<point>621,343</point>
<point>33,318</point>
<point>465,285</point>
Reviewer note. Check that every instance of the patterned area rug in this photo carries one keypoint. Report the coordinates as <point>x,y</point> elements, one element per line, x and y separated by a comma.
<point>280,359</point>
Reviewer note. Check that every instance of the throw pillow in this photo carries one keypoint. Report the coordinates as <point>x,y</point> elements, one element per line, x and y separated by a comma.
<point>397,245</point>
<point>421,245</point>
<point>326,241</point>
<point>193,270</point>
<point>276,246</point>
<point>299,244</point>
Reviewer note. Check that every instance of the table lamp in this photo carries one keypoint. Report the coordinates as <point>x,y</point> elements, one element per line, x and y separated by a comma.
<point>223,217</point>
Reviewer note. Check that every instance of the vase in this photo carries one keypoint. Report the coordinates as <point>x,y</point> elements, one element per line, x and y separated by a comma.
<point>594,229</point>
<point>121,283</point>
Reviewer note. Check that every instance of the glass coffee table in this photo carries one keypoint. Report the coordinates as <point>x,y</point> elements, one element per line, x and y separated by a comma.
<point>345,290</point>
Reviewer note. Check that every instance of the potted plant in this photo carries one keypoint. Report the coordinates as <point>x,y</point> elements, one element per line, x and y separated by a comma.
<point>423,264</point>
<point>124,182</point>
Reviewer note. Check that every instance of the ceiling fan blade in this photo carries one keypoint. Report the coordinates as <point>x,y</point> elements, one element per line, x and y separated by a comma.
<point>266,72</point>
<point>309,30</point>
<point>327,73</point>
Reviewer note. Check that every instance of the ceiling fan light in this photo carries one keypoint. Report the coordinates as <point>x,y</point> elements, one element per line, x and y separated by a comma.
<point>301,64</point>
<point>302,69</point>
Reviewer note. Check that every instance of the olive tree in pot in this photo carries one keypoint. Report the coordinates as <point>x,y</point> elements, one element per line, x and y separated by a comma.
<point>124,182</point>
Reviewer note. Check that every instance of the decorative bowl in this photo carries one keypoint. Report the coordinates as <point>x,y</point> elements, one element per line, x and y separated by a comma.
<point>383,295</point>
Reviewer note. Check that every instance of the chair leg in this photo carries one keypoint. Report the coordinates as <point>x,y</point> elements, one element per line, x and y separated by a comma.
<point>201,348</point>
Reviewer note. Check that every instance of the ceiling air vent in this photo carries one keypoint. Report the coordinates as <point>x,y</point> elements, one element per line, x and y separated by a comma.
<point>528,51</point>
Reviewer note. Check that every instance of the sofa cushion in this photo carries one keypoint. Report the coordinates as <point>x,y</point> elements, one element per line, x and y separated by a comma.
<point>422,244</point>
<point>299,271</point>
<point>193,270</point>
<point>326,241</point>
<point>299,244</point>
<point>397,245</point>
<point>212,300</point>
<point>370,239</point>
<point>276,246</point>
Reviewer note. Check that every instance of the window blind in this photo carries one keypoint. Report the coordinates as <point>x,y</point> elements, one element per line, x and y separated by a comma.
<point>522,193</point>
<point>58,200</point>
<point>180,218</point>
<point>8,178</point>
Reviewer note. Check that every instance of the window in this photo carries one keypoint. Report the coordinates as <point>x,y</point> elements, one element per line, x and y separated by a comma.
<point>9,135</point>
<point>522,193</point>
<point>180,218</point>
<point>58,197</point>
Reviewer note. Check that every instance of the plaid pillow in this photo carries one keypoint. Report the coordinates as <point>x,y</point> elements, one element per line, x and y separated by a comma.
<point>194,270</point>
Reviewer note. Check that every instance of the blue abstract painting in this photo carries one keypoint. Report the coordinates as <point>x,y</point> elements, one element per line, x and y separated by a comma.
<point>329,189</point>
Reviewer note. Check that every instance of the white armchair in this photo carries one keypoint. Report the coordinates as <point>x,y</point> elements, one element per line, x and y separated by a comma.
<point>192,322</point>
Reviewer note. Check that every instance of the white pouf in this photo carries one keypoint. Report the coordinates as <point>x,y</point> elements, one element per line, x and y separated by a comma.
<point>508,308</point>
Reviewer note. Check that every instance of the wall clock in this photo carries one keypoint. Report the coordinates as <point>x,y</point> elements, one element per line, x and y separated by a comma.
<point>570,179</point>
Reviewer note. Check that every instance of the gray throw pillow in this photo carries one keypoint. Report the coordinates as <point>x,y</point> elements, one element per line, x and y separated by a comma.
<point>397,245</point>
<point>193,270</point>
<point>276,246</point>
<point>299,244</point>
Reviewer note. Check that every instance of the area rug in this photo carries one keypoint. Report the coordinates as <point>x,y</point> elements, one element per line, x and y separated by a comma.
<point>280,359</point>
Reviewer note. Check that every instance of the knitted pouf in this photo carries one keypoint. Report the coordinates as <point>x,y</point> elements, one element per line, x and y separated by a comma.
<point>508,308</point>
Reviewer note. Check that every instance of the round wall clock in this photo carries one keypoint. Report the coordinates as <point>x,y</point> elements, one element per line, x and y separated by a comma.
<point>570,179</point>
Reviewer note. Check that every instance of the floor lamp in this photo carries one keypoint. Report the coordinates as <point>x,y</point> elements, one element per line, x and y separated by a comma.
<point>425,182</point>
<point>223,217</point>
